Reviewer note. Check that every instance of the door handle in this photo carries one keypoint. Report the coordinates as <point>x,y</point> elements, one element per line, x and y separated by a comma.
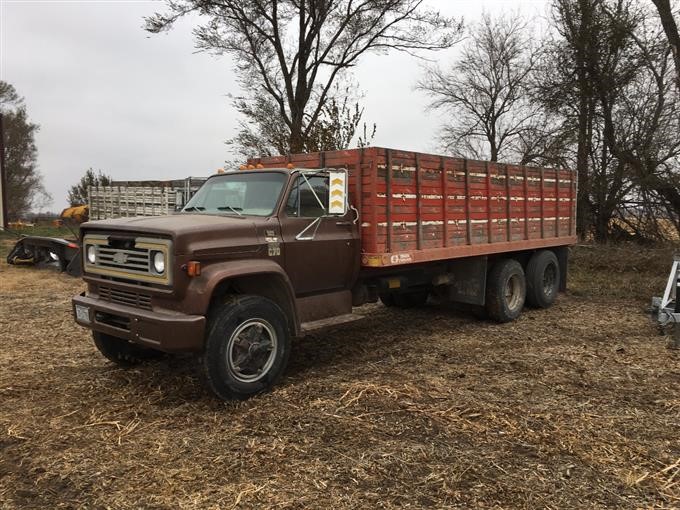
<point>343,223</point>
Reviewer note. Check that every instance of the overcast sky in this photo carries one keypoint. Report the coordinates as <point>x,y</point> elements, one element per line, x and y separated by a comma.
<point>110,96</point>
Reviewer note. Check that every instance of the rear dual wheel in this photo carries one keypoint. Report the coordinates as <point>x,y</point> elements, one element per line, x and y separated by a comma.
<point>508,286</point>
<point>543,279</point>
<point>505,290</point>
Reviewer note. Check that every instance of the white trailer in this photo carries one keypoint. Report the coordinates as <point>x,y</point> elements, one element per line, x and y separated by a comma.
<point>140,198</point>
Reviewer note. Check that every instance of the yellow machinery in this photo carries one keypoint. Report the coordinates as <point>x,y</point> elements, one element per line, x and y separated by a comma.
<point>78,213</point>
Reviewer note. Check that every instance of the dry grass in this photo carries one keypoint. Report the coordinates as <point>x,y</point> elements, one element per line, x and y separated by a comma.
<point>575,406</point>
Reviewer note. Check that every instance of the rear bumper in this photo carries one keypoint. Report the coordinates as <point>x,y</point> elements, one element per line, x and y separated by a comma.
<point>167,331</point>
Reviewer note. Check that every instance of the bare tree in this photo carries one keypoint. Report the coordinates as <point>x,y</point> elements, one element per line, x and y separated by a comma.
<point>670,28</point>
<point>25,188</point>
<point>546,140</point>
<point>295,50</point>
<point>647,138</point>
<point>338,125</point>
<point>584,70</point>
<point>606,73</point>
<point>486,91</point>
<point>564,88</point>
<point>264,133</point>
<point>78,194</point>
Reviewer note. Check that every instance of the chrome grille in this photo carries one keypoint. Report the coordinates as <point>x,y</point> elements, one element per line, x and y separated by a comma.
<point>125,297</point>
<point>127,258</point>
<point>135,259</point>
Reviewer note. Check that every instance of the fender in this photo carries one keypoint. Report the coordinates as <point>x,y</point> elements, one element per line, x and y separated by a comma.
<point>213,275</point>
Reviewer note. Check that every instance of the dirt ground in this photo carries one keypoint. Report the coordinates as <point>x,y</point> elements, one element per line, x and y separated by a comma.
<point>577,406</point>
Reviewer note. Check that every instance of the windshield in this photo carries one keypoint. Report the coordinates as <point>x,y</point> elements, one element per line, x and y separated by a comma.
<point>238,194</point>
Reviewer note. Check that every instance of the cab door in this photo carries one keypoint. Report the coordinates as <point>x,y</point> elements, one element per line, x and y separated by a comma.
<point>321,252</point>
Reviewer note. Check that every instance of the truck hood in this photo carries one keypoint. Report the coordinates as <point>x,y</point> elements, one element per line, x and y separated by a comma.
<point>198,234</point>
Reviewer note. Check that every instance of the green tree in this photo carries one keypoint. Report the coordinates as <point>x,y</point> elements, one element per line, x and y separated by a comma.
<point>78,193</point>
<point>25,189</point>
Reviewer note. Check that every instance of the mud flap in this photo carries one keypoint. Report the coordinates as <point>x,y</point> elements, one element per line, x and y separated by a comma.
<point>467,280</point>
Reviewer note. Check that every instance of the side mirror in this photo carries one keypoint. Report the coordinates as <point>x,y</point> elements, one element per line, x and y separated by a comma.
<point>337,192</point>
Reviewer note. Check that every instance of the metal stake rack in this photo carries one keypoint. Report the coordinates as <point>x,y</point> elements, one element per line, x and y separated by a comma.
<point>667,308</point>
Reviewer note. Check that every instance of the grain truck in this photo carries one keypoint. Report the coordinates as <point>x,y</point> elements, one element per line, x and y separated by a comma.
<point>291,244</point>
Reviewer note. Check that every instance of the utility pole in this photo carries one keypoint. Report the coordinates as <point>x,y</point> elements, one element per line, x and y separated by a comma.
<point>3,180</point>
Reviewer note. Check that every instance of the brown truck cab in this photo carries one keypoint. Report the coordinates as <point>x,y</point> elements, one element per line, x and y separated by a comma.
<point>259,256</point>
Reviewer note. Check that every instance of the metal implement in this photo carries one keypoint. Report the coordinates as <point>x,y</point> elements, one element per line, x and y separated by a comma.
<point>63,254</point>
<point>667,307</point>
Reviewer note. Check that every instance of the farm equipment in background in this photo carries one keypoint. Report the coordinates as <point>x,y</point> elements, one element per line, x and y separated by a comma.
<point>667,307</point>
<point>120,199</point>
<point>62,254</point>
<point>123,199</point>
<point>77,214</point>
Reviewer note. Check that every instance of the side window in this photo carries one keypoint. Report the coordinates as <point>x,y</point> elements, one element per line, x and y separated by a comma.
<point>302,201</point>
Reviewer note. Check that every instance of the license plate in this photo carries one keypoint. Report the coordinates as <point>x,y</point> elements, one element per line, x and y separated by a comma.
<point>82,313</point>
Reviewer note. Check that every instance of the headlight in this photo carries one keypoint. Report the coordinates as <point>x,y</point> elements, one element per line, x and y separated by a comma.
<point>91,254</point>
<point>159,262</point>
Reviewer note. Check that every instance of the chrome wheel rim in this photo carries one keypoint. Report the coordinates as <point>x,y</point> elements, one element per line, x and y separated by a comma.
<point>513,292</point>
<point>251,350</point>
<point>549,279</point>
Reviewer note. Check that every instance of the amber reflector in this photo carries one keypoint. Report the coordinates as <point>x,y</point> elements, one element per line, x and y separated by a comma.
<point>193,268</point>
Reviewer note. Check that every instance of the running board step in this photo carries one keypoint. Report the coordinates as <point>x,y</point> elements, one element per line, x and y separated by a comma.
<point>306,327</point>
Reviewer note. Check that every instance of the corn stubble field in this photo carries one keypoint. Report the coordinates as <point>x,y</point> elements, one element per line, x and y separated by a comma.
<point>575,406</point>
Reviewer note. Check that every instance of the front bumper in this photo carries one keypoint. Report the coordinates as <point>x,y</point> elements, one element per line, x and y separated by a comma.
<point>164,331</point>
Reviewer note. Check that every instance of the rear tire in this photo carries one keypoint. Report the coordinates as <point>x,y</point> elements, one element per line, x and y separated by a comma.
<point>505,290</point>
<point>543,279</point>
<point>247,347</point>
<point>122,352</point>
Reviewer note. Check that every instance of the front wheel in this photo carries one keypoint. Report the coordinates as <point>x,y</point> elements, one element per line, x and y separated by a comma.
<point>247,348</point>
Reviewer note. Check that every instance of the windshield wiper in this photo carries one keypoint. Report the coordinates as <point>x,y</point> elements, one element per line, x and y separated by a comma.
<point>193,208</point>
<point>230,208</point>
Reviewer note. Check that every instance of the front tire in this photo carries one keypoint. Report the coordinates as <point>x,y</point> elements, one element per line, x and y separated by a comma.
<point>505,290</point>
<point>247,348</point>
<point>121,352</point>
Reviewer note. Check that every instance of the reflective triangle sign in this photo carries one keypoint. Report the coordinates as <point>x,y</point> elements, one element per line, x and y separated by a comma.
<point>338,192</point>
